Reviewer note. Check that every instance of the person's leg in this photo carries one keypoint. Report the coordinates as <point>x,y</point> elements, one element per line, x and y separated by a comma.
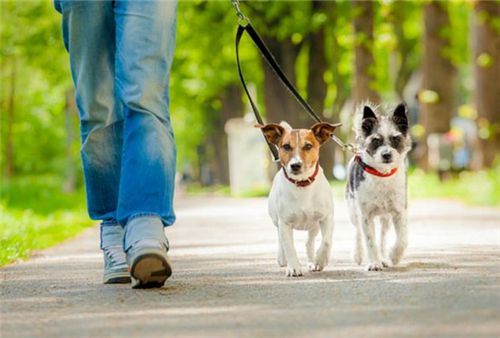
<point>89,36</point>
<point>145,39</point>
<point>88,32</point>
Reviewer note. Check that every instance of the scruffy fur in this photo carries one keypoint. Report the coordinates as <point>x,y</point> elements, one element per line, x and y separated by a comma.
<point>383,142</point>
<point>293,207</point>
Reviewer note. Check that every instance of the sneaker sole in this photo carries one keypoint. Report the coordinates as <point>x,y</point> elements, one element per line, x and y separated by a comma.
<point>119,277</point>
<point>150,270</point>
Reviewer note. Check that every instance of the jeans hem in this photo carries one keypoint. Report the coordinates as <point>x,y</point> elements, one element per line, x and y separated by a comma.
<point>109,222</point>
<point>151,214</point>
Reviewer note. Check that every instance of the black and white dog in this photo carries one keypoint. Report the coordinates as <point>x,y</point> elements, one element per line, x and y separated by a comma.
<point>376,187</point>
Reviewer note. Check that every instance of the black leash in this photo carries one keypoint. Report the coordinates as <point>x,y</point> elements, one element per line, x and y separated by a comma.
<point>244,26</point>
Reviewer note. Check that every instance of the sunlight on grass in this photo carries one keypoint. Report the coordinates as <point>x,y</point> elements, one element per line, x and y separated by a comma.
<point>476,188</point>
<point>36,214</point>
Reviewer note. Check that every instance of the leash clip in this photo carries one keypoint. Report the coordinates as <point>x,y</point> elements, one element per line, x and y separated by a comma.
<point>242,19</point>
<point>350,147</point>
<point>345,146</point>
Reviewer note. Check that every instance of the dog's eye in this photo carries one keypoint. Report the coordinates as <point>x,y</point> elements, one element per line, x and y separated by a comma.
<point>287,147</point>
<point>308,146</point>
<point>395,140</point>
<point>377,142</point>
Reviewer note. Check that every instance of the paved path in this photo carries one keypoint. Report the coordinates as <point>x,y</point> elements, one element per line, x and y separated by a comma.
<point>226,282</point>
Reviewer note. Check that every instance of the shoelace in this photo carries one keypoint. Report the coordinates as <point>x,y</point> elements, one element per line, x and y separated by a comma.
<point>115,253</point>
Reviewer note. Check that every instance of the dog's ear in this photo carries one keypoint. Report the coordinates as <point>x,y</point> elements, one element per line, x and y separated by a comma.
<point>323,131</point>
<point>369,121</point>
<point>400,118</point>
<point>273,132</point>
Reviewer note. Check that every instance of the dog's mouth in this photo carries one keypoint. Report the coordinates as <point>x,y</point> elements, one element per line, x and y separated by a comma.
<point>387,161</point>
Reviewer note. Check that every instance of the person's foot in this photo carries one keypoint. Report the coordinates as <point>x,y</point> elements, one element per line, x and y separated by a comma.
<point>146,247</point>
<point>115,261</point>
<point>149,264</point>
<point>115,266</point>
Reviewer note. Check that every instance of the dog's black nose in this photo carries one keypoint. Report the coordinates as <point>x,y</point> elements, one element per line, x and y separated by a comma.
<point>296,166</point>
<point>387,156</point>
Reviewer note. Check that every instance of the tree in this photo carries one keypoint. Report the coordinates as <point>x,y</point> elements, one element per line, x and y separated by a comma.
<point>339,53</point>
<point>35,71</point>
<point>231,106</point>
<point>487,73</point>
<point>364,12</point>
<point>316,69</point>
<point>279,104</point>
<point>437,96</point>
<point>407,43</point>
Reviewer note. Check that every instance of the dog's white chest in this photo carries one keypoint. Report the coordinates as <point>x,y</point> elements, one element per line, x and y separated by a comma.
<point>300,208</point>
<point>381,195</point>
<point>303,217</point>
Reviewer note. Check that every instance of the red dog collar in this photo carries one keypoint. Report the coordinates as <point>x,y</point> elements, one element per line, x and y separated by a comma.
<point>306,182</point>
<point>373,171</point>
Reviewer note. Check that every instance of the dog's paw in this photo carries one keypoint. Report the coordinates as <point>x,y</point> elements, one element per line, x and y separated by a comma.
<point>292,271</point>
<point>385,264</point>
<point>374,267</point>
<point>313,267</point>
<point>322,258</point>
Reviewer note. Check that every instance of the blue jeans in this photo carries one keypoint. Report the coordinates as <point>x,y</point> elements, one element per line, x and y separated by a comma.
<point>120,56</point>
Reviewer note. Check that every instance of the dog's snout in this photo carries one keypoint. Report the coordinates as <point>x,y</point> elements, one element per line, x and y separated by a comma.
<point>296,166</point>
<point>387,156</point>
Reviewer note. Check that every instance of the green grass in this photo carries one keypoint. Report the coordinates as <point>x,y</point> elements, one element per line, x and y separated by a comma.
<point>35,213</point>
<point>474,188</point>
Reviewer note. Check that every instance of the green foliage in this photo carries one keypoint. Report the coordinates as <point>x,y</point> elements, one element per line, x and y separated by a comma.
<point>35,213</point>
<point>32,51</point>
<point>457,32</point>
<point>204,65</point>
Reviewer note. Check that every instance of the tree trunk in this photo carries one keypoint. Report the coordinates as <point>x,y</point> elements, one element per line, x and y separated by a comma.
<point>406,46</point>
<point>487,73</point>
<point>280,104</point>
<point>341,80</point>
<point>437,96</point>
<point>316,85</point>
<point>232,106</point>
<point>364,75</point>
<point>9,134</point>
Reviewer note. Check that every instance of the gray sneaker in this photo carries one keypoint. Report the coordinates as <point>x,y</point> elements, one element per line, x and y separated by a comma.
<point>149,264</point>
<point>115,261</point>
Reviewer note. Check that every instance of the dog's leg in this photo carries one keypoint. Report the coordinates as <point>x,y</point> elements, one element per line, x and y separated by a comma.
<point>384,227</point>
<point>400,226</point>
<point>323,254</point>
<point>374,263</point>
<point>310,248</point>
<point>358,247</point>
<point>357,253</point>
<point>286,239</point>
<point>281,251</point>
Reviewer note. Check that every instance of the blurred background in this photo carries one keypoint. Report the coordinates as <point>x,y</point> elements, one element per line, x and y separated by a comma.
<point>441,58</point>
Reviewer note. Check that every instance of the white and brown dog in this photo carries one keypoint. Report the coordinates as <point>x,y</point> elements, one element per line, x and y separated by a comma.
<point>376,185</point>
<point>301,197</point>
